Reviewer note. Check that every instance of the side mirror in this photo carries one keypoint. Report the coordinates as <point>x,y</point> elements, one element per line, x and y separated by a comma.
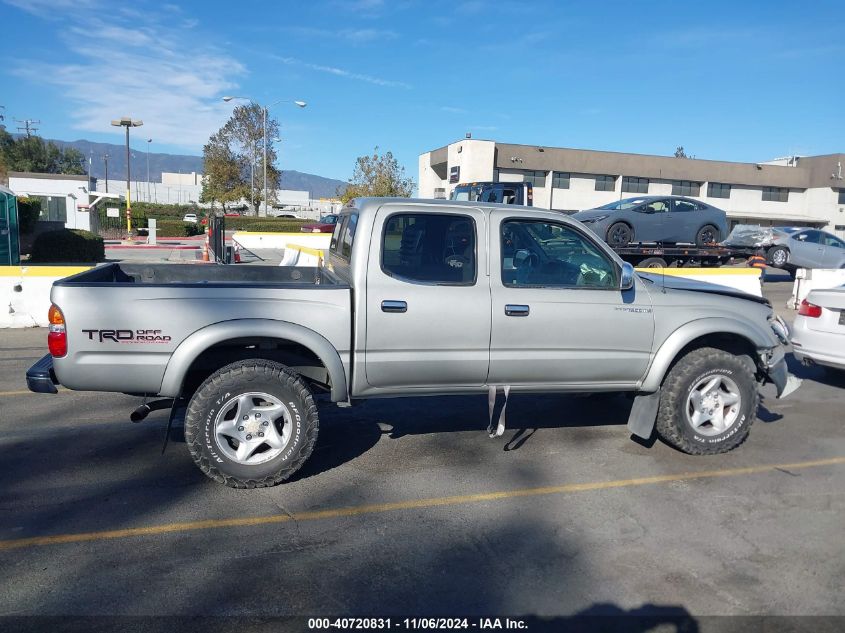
<point>627,277</point>
<point>522,258</point>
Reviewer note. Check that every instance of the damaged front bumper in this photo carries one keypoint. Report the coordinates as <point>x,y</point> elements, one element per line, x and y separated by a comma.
<point>775,369</point>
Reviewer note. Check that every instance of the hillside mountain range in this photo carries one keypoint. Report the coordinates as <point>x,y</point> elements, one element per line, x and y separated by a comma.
<point>318,186</point>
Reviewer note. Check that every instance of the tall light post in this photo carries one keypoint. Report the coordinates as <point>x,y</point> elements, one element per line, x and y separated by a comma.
<point>128,122</point>
<point>149,140</point>
<point>264,110</point>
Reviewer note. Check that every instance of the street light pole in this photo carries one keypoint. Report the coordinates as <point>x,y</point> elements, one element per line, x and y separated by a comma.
<point>128,122</point>
<point>149,140</point>
<point>265,160</point>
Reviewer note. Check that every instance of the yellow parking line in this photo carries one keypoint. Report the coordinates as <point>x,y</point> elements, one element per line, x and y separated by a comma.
<point>409,504</point>
<point>15,393</point>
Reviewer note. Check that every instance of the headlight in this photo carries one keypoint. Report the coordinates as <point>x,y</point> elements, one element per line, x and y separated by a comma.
<point>780,328</point>
<point>596,219</point>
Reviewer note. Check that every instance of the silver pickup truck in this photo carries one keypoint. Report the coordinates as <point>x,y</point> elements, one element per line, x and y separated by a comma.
<point>416,297</point>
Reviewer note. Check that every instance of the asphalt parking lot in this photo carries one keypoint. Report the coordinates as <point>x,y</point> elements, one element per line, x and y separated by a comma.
<point>407,508</point>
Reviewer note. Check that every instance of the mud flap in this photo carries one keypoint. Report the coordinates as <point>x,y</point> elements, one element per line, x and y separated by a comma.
<point>492,392</point>
<point>644,414</point>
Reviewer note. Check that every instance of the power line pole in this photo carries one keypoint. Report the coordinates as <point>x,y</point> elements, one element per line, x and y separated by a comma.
<point>28,126</point>
<point>106,161</point>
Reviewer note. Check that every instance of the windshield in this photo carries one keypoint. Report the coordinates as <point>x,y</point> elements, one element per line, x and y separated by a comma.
<point>329,219</point>
<point>627,203</point>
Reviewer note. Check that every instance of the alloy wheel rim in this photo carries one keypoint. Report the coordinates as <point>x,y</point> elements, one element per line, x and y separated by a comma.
<point>779,257</point>
<point>252,428</point>
<point>713,405</point>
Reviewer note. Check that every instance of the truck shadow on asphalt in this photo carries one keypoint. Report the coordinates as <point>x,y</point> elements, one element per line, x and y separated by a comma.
<point>346,434</point>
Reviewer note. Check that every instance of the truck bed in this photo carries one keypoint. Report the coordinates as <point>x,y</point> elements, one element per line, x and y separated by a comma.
<point>199,274</point>
<point>126,321</point>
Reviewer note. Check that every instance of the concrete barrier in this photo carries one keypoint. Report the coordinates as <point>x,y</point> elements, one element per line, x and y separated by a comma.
<point>744,279</point>
<point>298,255</point>
<point>807,279</point>
<point>25,293</point>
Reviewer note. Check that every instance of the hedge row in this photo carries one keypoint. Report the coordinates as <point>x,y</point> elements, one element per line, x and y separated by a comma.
<point>276,225</point>
<point>29,210</point>
<point>177,228</point>
<point>68,246</point>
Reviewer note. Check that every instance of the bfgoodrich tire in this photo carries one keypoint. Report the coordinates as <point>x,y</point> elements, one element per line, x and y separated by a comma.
<point>251,424</point>
<point>708,402</point>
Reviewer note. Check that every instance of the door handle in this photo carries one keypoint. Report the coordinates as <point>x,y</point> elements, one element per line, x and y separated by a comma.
<point>394,306</point>
<point>516,310</point>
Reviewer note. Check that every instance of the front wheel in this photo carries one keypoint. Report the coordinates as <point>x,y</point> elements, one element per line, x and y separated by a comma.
<point>620,234</point>
<point>708,402</point>
<point>251,424</point>
<point>778,257</point>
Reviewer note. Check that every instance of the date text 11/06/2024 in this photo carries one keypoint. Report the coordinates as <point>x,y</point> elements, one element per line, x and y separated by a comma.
<point>417,623</point>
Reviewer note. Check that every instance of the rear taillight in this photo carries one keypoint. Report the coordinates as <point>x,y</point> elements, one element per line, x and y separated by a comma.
<point>57,338</point>
<point>811,310</point>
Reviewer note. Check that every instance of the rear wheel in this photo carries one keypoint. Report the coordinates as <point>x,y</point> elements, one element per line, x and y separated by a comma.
<point>708,402</point>
<point>708,234</point>
<point>251,424</point>
<point>620,234</point>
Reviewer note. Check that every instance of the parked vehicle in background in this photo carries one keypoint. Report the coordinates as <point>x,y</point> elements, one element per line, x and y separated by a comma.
<point>818,333</point>
<point>521,193</point>
<point>326,224</point>
<point>418,297</point>
<point>805,248</point>
<point>670,220</point>
<point>190,217</point>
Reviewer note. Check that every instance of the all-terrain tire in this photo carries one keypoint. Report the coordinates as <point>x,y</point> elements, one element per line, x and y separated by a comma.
<point>246,377</point>
<point>673,425</point>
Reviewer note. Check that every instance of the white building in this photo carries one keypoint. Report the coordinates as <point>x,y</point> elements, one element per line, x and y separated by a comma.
<point>64,198</point>
<point>178,188</point>
<point>798,190</point>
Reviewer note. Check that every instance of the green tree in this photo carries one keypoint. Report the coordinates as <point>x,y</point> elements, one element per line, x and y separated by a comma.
<point>33,154</point>
<point>234,158</point>
<point>680,153</point>
<point>223,180</point>
<point>378,175</point>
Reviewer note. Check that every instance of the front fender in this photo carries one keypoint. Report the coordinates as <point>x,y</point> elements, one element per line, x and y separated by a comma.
<point>201,340</point>
<point>760,337</point>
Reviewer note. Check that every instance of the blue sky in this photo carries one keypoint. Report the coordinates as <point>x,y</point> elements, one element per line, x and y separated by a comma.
<point>727,80</point>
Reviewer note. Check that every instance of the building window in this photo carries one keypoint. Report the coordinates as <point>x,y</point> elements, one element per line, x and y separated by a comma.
<point>632,184</point>
<point>605,183</point>
<point>53,208</point>
<point>842,196</point>
<point>685,188</point>
<point>560,180</point>
<point>718,190</point>
<point>775,194</point>
<point>536,178</point>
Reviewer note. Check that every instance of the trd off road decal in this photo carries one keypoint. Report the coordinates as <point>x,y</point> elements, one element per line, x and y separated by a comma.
<point>127,336</point>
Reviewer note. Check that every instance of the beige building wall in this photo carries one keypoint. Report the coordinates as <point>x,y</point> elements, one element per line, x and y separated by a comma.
<point>815,202</point>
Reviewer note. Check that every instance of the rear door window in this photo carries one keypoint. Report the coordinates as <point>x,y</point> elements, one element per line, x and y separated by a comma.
<point>348,236</point>
<point>430,248</point>
<point>334,247</point>
<point>682,206</point>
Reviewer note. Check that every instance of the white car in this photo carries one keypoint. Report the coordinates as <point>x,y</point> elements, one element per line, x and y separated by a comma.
<point>818,334</point>
<point>190,217</point>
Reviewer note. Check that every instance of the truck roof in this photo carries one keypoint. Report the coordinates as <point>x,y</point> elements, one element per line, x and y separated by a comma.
<point>363,205</point>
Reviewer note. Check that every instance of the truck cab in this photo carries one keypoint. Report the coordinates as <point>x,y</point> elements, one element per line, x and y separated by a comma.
<point>520,193</point>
